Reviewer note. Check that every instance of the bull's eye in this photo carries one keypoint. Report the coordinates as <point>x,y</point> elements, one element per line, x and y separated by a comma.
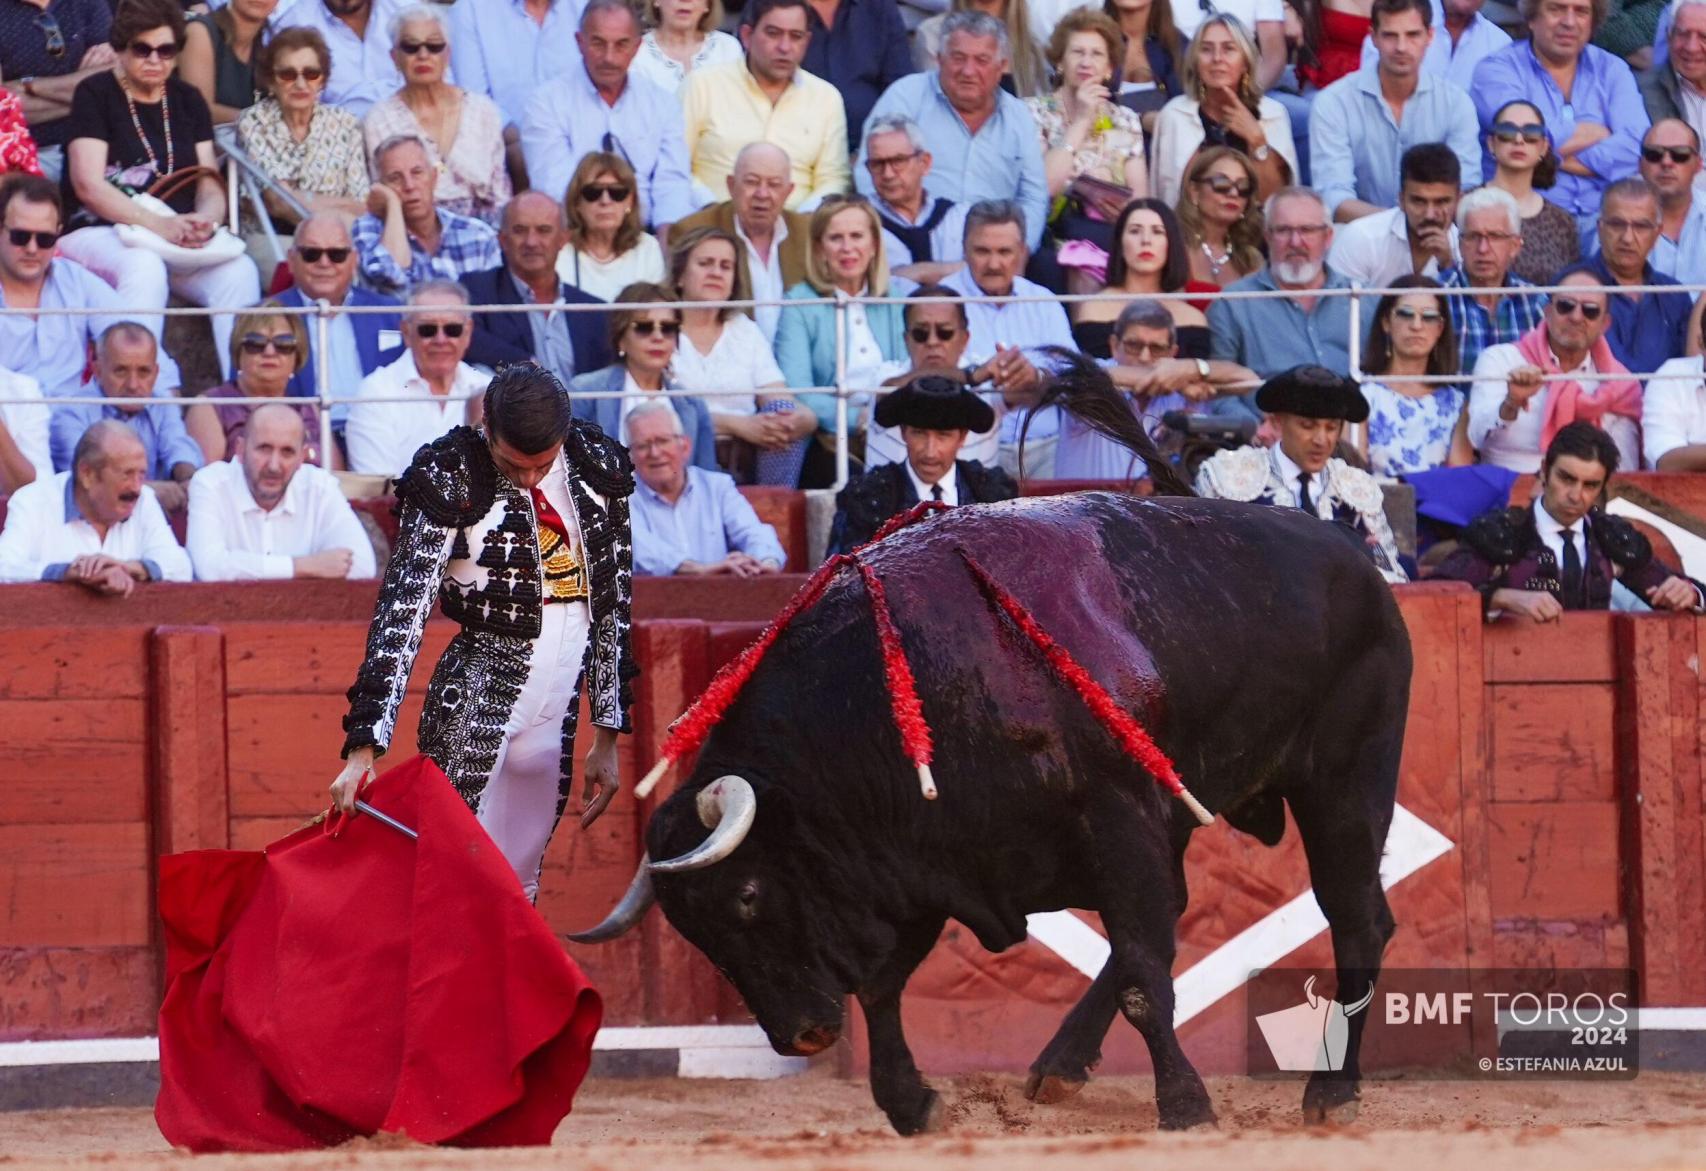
<point>746,900</point>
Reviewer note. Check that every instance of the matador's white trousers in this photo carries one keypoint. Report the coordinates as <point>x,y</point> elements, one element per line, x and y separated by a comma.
<point>518,807</point>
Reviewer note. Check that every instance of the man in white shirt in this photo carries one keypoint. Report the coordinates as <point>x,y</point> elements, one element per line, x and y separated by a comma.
<point>1673,417</point>
<point>382,437</point>
<point>96,525</point>
<point>267,514</point>
<point>24,451</point>
<point>1417,236</point>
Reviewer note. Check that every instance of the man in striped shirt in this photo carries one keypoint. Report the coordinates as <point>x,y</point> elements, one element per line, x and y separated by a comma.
<point>1489,227</point>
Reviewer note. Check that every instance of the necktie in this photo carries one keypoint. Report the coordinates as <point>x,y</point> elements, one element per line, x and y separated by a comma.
<point>1572,577</point>
<point>935,491</point>
<point>1304,500</point>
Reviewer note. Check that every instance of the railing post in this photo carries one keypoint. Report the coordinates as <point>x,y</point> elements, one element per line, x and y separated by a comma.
<point>231,203</point>
<point>841,455</point>
<point>323,378</point>
<point>1354,431</point>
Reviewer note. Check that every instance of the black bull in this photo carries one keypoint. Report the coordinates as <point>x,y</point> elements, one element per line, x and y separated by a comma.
<point>1259,647</point>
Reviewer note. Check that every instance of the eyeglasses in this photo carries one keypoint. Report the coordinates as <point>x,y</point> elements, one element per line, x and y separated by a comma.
<point>1508,132</point>
<point>1620,227</point>
<point>1304,232</point>
<point>21,237</point>
<point>53,36</point>
<point>647,328</point>
<point>1568,305</point>
<point>1477,239</point>
<point>1143,351</point>
<point>256,343</point>
<point>429,329</point>
<point>142,50</point>
<point>893,162</point>
<point>652,445</point>
<point>313,255</point>
<point>413,48</point>
<point>288,75</point>
<point>1223,185</point>
<point>944,333</point>
<point>1426,316</point>
<point>614,192</point>
<point>1680,155</point>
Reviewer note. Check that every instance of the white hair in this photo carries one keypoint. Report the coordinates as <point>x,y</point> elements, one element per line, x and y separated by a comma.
<point>658,406</point>
<point>977,24</point>
<point>901,124</point>
<point>420,13</point>
<point>1293,192</point>
<point>1495,199</point>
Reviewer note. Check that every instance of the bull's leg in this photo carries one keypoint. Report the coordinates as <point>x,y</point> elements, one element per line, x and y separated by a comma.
<point>900,1091</point>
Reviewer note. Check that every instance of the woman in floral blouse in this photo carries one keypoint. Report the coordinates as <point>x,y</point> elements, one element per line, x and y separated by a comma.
<point>309,148</point>
<point>1413,426</point>
<point>17,148</point>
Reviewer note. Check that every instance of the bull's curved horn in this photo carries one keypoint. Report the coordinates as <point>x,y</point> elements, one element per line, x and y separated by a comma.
<point>727,806</point>
<point>627,914</point>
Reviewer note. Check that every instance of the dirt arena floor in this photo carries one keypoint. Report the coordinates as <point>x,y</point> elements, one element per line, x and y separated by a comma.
<point>827,1124</point>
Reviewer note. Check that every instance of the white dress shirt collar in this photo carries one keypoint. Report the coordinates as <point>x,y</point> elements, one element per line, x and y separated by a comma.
<point>1552,533</point>
<point>949,483</point>
<point>1288,473</point>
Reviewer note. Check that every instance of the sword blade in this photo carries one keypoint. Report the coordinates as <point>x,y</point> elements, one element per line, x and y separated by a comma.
<point>386,819</point>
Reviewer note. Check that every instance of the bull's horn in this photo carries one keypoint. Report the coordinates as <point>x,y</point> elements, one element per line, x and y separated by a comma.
<point>627,914</point>
<point>727,806</point>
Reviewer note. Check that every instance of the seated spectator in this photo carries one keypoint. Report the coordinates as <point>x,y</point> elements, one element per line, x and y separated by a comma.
<point>25,454</point>
<point>1329,36</point>
<point>644,341</point>
<point>358,33</point>
<point>43,69</point>
<point>1273,335</point>
<point>532,236</point>
<point>322,268</point>
<point>1364,124</point>
<point>1413,426</point>
<point>1223,105</point>
<point>1085,133</point>
<point>1524,165</point>
<point>1308,407</point>
<point>937,333</point>
<point>125,370</point>
<point>107,157</point>
<point>1418,236</point>
<point>934,416</point>
<point>463,131</point>
<point>1221,217</point>
<point>688,520</point>
<point>923,234</point>
<point>18,153</point>
<point>54,347</point>
<point>1629,29</point>
<point>774,241</point>
<point>1670,163</point>
<point>96,525</point>
<point>311,149</point>
<point>382,437</point>
<point>983,140</point>
<point>1489,234</point>
<point>268,351</point>
<point>1148,258</point>
<point>846,261</point>
<point>265,513</point>
<point>768,97</point>
<point>861,49</point>
<point>1026,74</point>
<point>607,248</point>
<point>1463,38</point>
<point>1522,396</point>
<point>1600,121</point>
<point>1564,552</point>
<point>1149,66</point>
<point>406,238</point>
<point>219,52</point>
<point>600,106</point>
<point>1683,74</point>
<point>507,51</point>
<point>1673,417</point>
<point>685,35</point>
<point>1263,23</point>
<point>1647,329</point>
<point>723,349</point>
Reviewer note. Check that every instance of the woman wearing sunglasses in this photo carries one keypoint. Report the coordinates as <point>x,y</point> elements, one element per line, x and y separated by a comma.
<point>1413,426</point>
<point>608,247</point>
<point>267,349</point>
<point>219,55</point>
<point>130,127</point>
<point>309,148</point>
<point>1526,165</point>
<point>644,341</point>
<point>1220,218</point>
<point>463,131</point>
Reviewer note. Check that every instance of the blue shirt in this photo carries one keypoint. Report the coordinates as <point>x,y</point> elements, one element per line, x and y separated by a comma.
<point>465,245</point>
<point>54,349</point>
<point>1513,316</point>
<point>1030,325</point>
<point>1274,334</point>
<point>710,520</point>
<point>1685,258</point>
<point>160,426</point>
<point>567,119</point>
<point>863,54</point>
<point>499,50</point>
<point>1355,143</point>
<point>1604,92</point>
<point>1455,63</point>
<point>1003,160</point>
<point>1648,331</point>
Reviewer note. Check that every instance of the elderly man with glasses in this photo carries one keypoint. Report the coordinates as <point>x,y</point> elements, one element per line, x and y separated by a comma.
<point>1647,329</point>
<point>923,234</point>
<point>1489,227</point>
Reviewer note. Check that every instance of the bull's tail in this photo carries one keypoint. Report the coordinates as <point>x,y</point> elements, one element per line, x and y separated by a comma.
<point>1084,389</point>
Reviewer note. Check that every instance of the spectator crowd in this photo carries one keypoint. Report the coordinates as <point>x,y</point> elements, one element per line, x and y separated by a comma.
<point>873,170</point>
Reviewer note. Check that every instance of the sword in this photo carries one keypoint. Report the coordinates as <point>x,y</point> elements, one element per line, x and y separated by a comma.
<point>386,819</point>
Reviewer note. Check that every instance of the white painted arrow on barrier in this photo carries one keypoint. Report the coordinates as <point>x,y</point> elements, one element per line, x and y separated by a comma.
<point>1411,844</point>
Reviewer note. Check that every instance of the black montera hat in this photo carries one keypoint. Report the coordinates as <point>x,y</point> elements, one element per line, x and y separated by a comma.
<point>1314,392</point>
<point>936,404</point>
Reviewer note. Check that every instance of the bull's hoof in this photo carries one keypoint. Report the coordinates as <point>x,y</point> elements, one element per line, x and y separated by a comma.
<point>927,1114</point>
<point>1331,1102</point>
<point>1050,1088</point>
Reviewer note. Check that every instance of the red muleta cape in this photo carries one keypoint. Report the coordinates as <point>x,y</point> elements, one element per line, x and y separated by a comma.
<point>331,987</point>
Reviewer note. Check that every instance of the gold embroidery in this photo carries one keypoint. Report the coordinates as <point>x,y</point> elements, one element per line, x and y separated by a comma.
<point>565,571</point>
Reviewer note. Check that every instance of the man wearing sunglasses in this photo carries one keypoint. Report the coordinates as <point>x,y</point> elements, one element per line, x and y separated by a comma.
<point>359,34</point>
<point>1670,162</point>
<point>1647,329</point>
<point>423,394</point>
<point>1512,415</point>
<point>47,48</point>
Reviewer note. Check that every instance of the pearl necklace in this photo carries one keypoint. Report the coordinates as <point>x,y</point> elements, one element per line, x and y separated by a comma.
<point>1215,263</point>
<point>166,122</point>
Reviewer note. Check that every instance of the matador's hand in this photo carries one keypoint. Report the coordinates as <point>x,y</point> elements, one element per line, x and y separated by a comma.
<point>357,772</point>
<point>603,776</point>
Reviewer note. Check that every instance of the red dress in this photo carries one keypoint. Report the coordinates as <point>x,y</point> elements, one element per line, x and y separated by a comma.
<point>17,148</point>
<point>1340,48</point>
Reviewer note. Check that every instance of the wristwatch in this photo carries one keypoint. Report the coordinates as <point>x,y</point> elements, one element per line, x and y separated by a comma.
<point>1262,153</point>
<point>1202,367</point>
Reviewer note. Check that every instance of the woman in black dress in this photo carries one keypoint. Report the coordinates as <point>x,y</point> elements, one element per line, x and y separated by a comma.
<point>1149,258</point>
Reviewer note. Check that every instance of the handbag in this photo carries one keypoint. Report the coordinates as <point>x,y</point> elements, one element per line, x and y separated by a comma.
<point>1087,191</point>
<point>223,245</point>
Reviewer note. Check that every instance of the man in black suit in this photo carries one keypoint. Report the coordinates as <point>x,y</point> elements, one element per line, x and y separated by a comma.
<point>564,343</point>
<point>934,415</point>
